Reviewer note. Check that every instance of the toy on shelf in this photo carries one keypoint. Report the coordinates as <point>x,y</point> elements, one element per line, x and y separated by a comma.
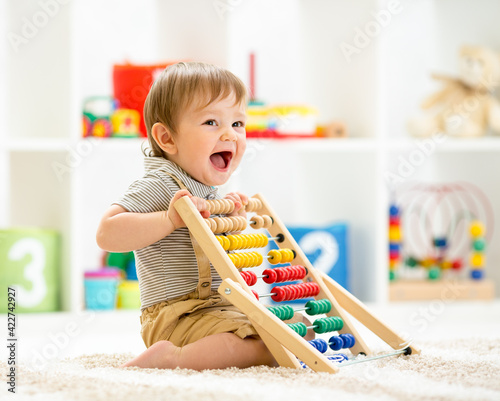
<point>131,84</point>
<point>103,118</point>
<point>287,120</point>
<point>97,112</point>
<point>232,256</point>
<point>465,106</point>
<point>441,234</point>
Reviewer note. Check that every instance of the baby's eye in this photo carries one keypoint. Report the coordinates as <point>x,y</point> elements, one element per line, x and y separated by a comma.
<point>210,122</point>
<point>238,124</point>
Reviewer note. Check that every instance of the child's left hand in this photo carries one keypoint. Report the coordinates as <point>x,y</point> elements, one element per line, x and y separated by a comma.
<point>240,201</point>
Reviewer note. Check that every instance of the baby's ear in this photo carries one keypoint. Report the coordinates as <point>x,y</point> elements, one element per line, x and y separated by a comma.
<point>164,138</point>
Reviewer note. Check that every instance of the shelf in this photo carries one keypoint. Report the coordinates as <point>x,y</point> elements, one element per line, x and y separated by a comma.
<point>446,144</point>
<point>328,145</point>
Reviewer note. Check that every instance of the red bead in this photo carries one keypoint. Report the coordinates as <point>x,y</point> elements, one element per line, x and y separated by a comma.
<point>456,264</point>
<point>253,278</point>
<point>279,294</point>
<point>271,276</point>
<point>394,220</point>
<point>256,295</point>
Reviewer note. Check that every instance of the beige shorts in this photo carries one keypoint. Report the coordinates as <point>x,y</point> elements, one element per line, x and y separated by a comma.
<point>187,319</point>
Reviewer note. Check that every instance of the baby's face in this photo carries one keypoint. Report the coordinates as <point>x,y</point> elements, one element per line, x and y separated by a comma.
<point>211,141</point>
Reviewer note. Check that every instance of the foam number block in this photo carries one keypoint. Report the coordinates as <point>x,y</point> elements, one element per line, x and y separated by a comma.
<point>30,262</point>
<point>326,248</point>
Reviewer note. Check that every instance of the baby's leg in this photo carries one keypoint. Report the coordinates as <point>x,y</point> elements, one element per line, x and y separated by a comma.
<point>218,351</point>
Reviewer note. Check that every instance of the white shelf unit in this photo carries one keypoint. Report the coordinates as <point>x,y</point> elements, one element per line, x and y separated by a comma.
<point>297,44</point>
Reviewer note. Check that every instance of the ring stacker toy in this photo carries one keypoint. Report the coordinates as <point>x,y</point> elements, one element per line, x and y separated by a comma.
<point>226,247</point>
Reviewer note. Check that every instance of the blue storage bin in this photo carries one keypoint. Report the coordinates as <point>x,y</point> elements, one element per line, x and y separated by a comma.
<point>101,289</point>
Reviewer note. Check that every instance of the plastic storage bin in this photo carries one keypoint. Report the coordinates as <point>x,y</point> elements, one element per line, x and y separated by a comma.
<point>101,288</point>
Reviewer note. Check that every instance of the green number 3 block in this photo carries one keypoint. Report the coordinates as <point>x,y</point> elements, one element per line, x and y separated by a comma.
<point>30,262</point>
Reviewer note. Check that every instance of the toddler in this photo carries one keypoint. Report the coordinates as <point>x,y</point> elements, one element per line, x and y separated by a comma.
<point>195,118</point>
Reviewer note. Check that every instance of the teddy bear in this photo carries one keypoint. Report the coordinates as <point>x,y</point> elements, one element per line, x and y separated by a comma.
<point>465,106</point>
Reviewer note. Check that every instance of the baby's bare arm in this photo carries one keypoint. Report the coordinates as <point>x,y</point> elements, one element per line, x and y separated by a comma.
<point>123,231</point>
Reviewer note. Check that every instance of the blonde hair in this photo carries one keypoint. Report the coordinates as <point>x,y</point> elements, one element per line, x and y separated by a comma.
<point>181,84</point>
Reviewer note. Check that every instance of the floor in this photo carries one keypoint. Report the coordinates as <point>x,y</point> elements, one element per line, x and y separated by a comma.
<point>46,338</point>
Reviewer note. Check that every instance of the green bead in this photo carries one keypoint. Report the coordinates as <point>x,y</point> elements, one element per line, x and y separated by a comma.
<point>392,276</point>
<point>434,273</point>
<point>479,244</point>
<point>299,327</point>
<point>411,261</point>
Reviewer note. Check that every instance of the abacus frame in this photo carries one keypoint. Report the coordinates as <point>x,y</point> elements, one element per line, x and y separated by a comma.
<point>285,345</point>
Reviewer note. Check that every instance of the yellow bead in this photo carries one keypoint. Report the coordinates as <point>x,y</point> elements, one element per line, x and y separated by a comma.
<point>446,264</point>
<point>477,260</point>
<point>275,256</point>
<point>393,263</point>
<point>476,229</point>
<point>394,233</point>
<point>286,255</point>
<point>427,262</point>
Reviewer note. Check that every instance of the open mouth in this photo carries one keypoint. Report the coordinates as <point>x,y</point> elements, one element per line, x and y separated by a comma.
<point>221,160</point>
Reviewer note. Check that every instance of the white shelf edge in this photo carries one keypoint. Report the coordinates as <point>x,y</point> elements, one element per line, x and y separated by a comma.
<point>446,144</point>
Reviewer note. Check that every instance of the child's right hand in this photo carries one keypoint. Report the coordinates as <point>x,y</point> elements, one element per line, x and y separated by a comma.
<point>199,203</point>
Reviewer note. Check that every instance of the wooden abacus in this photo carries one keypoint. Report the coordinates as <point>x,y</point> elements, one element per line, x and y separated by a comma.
<point>286,342</point>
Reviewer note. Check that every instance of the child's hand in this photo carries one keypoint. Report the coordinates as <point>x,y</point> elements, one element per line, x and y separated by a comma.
<point>240,201</point>
<point>175,218</point>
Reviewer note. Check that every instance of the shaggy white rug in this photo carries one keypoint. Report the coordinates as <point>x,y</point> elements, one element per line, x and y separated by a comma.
<point>465,369</point>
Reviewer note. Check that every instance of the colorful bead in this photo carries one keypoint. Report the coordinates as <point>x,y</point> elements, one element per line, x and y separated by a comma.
<point>348,339</point>
<point>283,312</point>
<point>319,344</point>
<point>271,276</point>
<point>476,229</point>
<point>299,327</point>
<point>394,233</point>
<point>275,256</point>
<point>477,274</point>
<point>434,273</point>
<point>477,260</point>
<point>479,244</point>
<point>336,343</point>
<point>318,307</point>
<point>327,324</point>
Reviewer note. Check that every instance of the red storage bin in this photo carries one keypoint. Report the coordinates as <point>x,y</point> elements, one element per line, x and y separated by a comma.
<point>131,84</point>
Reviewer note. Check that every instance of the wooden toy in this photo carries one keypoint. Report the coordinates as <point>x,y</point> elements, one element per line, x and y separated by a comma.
<point>444,241</point>
<point>221,240</point>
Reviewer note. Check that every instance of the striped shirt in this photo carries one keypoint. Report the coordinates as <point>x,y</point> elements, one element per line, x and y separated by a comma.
<point>167,268</point>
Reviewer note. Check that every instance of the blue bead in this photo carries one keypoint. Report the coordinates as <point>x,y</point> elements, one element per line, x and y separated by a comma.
<point>394,210</point>
<point>336,343</point>
<point>319,344</point>
<point>440,242</point>
<point>348,339</point>
<point>477,274</point>
<point>395,247</point>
